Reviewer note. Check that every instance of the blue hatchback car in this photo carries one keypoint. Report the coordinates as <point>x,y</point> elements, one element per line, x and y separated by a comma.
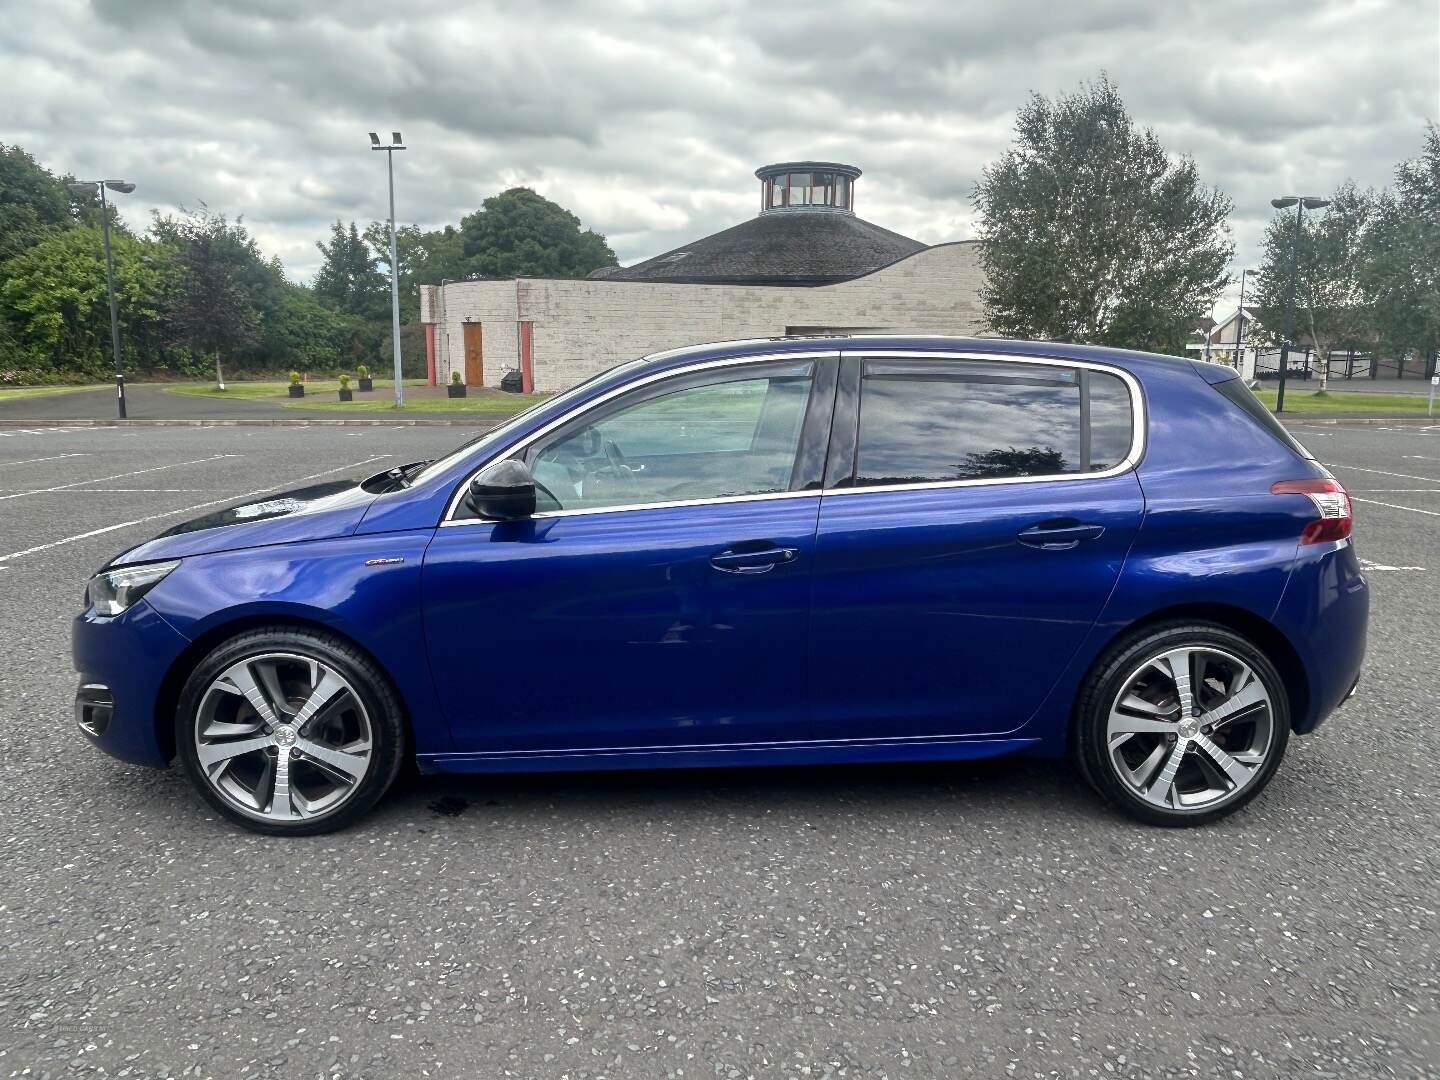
<point>773,552</point>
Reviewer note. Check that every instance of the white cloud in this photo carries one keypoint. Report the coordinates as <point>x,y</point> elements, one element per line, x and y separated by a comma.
<point>648,120</point>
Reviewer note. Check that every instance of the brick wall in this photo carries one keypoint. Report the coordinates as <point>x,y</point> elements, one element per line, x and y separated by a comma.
<point>582,327</point>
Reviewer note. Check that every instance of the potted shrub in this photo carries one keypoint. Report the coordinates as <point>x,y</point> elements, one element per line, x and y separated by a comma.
<point>346,394</point>
<point>297,388</point>
<point>366,383</point>
<point>456,387</point>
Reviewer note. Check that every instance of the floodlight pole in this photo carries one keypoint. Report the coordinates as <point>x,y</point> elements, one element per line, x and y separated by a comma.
<point>123,187</point>
<point>395,144</point>
<point>1289,326</point>
<point>114,313</point>
<point>1301,204</point>
<point>1240,328</point>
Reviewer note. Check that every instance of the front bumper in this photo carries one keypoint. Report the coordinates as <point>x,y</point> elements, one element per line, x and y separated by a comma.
<point>124,659</point>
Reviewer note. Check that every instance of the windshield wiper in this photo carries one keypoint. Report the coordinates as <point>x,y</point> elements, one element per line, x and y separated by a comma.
<point>399,477</point>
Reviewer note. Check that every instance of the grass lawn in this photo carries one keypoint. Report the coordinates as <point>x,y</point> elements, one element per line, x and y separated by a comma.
<point>1344,403</point>
<point>11,393</point>
<point>495,405</point>
<point>253,391</point>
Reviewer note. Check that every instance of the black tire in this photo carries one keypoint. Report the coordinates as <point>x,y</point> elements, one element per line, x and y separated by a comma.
<point>389,738</point>
<point>1110,675</point>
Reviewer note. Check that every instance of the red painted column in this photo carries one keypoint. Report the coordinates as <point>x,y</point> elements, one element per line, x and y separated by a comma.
<point>527,357</point>
<point>430,352</point>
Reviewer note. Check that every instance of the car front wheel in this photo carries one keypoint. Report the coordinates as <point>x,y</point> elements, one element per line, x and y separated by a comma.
<point>1182,724</point>
<point>289,731</point>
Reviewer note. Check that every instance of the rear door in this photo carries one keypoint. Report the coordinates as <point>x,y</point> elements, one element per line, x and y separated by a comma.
<point>976,516</point>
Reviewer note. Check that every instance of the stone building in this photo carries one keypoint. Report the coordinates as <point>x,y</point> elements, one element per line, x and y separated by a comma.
<point>805,265</point>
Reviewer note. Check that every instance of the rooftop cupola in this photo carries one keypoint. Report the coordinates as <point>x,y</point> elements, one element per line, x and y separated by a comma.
<point>807,185</point>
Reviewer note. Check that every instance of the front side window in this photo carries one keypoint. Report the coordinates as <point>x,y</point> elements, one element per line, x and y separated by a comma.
<point>923,422</point>
<point>732,435</point>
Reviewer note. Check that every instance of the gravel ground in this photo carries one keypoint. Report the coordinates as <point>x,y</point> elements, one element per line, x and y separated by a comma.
<point>990,919</point>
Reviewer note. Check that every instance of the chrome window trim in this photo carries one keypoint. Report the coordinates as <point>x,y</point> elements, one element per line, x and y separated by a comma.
<point>1128,463</point>
<point>609,395</point>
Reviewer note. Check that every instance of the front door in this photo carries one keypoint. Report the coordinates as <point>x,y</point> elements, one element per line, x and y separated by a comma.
<point>659,598</point>
<point>982,514</point>
<point>474,354</point>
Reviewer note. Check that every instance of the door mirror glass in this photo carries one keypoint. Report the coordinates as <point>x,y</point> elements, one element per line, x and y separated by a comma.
<point>503,491</point>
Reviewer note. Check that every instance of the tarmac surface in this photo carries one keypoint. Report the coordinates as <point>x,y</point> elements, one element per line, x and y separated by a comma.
<point>993,919</point>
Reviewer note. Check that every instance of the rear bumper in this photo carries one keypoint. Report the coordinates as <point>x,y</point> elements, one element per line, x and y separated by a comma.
<point>124,659</point>
<point>1325,614</point>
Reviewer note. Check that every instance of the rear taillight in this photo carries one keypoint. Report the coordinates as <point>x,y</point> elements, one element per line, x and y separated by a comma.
<point>1331,503</point>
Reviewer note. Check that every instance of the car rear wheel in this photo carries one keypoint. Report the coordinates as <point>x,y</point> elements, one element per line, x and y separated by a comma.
<point>288,731</point>
<point>1182,724</point>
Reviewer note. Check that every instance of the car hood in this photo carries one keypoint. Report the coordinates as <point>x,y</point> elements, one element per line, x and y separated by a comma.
<point>317,512</point>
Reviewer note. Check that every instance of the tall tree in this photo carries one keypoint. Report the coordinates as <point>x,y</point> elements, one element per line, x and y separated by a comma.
<point>213,307</point>
<point>1092,233</point>
<point>1330,256</point>
<point>521,234</point>
<point>348,279</point>
<point>1401,276</point>
<point>35,203</point>
<point>54,295</point>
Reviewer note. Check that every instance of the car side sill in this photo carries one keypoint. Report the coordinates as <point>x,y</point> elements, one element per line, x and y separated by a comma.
<point>809,753</point>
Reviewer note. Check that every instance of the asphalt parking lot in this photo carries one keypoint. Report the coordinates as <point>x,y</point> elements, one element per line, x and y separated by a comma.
<point>990,920</point>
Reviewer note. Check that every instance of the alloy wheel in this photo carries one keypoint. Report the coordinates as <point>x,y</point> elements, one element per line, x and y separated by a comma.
<point>1190,728</point>
<point>283,737</point>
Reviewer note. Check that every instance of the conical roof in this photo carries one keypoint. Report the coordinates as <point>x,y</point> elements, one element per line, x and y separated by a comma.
<point>807,235</point>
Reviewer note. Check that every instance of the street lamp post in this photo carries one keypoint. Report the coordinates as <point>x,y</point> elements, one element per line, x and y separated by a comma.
<point>88,187</point>
<point>1240,327</point>
<point>1301,204</point>
<point>396,143</point>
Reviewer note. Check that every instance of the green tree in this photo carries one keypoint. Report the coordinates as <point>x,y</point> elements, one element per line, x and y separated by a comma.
<point>216,300</point>
<point>348,279</point>
<point>35,203</point>
<point>1401,276</point>
<point>440,256</point>
<point>302,333</point>
<point>521,234</point>
<point>54,297</point>
<point>1331,253</point>
<point>425,258</point>
<point>1091,233</point>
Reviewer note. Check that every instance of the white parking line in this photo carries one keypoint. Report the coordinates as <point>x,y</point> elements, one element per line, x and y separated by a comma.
<point>1366,564</point>
<point>1396,506</point>
<point>1382,472</point>
<point>183,510</point>
<point>104,491</point>
<point>33,460</point>
<point>118,476</point>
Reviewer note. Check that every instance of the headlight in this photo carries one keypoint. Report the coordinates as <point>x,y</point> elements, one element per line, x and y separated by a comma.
<point>112,591</point>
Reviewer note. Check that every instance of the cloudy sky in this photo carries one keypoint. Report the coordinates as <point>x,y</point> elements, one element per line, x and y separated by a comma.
<point>648,119</point>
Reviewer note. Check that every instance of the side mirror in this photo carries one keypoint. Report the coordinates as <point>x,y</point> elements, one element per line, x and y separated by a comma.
<point>504,491</point>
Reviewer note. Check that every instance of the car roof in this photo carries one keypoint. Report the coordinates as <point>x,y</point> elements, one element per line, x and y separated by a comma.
<point>1137,363</point>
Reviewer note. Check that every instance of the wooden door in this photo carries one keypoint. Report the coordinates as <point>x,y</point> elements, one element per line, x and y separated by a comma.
<point>474,354</point>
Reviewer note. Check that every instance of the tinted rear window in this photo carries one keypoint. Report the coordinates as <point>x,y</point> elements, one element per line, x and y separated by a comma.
<point>1239,393</point>
<point>924,423</point>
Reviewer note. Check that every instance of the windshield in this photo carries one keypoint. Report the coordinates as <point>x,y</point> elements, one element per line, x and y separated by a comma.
<point>498,434</point>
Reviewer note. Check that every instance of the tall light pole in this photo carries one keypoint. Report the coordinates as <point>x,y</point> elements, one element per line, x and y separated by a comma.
<point>89,187</point>
<point>1301,204</point>
<point>1240,327</point>
<point>396,143</point>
